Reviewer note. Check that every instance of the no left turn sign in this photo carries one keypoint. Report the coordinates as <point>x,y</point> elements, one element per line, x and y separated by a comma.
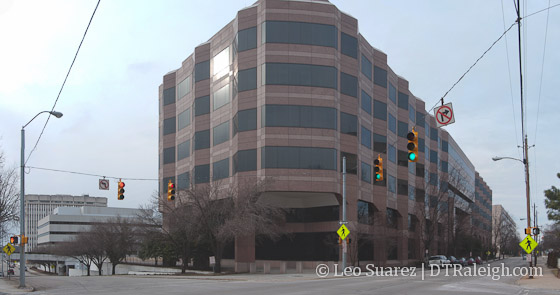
<point>444,115</point>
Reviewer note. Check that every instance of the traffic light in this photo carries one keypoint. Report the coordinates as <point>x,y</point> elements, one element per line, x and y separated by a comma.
<point>528,231</point>
<point>170,191</point>
<point>378,168</point>
<point>120,190</point>
<point>412,145</point>
<point>536,231</point>
<point>14,240</point>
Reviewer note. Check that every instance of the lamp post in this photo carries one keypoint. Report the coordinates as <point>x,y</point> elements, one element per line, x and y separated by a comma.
<point>21,200</point>
<point>525,162</point>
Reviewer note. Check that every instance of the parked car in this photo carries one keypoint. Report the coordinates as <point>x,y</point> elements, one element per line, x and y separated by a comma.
<point>440,260</point>
<point>462,261</point>
<point>11,271</point>
<point>471,261</point>
<point>478,260</point>
<point>453,260</point>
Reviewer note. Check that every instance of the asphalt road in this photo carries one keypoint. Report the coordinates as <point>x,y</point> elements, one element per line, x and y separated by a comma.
<point>288,284</point>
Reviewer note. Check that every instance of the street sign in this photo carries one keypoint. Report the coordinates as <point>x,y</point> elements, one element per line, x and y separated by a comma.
<point>487,252</point>
<point>9,249</point>
<point>343,232</point>
<point>528,244</point>
<point>444,115</point>
<point>104,184</point>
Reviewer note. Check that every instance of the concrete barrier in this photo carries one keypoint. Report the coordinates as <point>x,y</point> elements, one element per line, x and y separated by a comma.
<point>267,267</point>
<point>252,267</point>
<point>283,266</point>
<point>299,266</point>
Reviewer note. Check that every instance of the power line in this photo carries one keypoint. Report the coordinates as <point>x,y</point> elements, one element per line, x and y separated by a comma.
<point>510,83</point>
<point>90,174</point>
<point>441,99</point>
<point>63,83</point>
<point>542,73</point>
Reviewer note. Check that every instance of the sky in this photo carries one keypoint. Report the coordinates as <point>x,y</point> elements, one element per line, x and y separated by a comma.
<point>110,100</point>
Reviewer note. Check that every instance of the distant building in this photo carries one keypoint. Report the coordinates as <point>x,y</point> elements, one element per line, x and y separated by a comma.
<point>65,223</point>
<point>39,206</point>
<point>482,212</point>
<point>503,227</point>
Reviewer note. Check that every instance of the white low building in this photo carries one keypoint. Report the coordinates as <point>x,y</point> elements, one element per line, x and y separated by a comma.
<point>64,223</point>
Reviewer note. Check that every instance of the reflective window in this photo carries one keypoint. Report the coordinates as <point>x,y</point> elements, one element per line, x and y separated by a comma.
<point>220,133</point>
<point>220,169</point>
<point>411,221</point>
<point>348,124</point>
<point>433,179</point>
<point>402,187</point>
<point>420,119</point>
<point>221,63</point>
<point>411,167</point>
<point>247,39</point>
<point>348,45</point>
<point>202,71</point>
<point>380,77</point>
<point>292,157</point>
<point>221,97</point>
<point>411,113</point>
<point>184,150</point>
<point>444,166</point>
<point>351,163</point>
<point>247,79</point>
<point>169,96</point>
<point>366,102</point>
<point>202,105</point>
<point>184,119</point>
<point>300,75</point>
<point>379,143</point>
<point>420,170</point>
<point>392,93</point>
<point>365,212</point>
<point>300,33</point>
<point>392,154</point>
<point>312,214</point>
<point>433,134</point>
<point>421,144</point>
<point>202,139</point>
<point>403,101</point>
<point>245,120</point>
<point>392,219</point>
<point>366,67</point>
<point>391,183</point>
<point>184,87</point>
<point>202,173</point>
<point>379,110</point>
<point>445,146</point>
<point>299,116</point>
<point>245,160</point>
<point>183,181</point>
<point>366,137</point>
<point>403,129</point>
<point>402,158</point>
<point>366,172</point>
<point>169,126</point>
<point>348,84</point>
<point>169,155</point>
<point>433,156</point>
<point>392,124</point>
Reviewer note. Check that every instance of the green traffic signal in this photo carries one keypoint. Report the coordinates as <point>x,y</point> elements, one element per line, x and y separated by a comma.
<point>377,176</point>
<point>411,156</point>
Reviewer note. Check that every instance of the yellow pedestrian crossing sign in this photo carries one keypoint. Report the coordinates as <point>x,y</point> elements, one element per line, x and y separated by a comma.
<point>9,249</point>
<point>343,232</point>
<point>528,244</point>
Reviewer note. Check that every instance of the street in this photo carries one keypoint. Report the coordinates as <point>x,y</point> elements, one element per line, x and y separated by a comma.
<point>307,283</point>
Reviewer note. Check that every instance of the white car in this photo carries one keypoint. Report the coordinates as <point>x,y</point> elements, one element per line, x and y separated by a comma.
<point>439,260</point>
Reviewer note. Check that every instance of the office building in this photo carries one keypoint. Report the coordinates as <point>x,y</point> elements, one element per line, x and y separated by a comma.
<point>39,206</point>
<point>285,91</point>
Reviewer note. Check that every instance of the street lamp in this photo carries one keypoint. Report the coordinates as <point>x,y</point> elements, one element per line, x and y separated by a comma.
<point>21,199</point>
<point>525,163</point>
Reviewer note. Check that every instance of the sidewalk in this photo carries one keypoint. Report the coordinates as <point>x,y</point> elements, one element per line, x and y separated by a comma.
<point>11,286</point>
<point>549,280</point>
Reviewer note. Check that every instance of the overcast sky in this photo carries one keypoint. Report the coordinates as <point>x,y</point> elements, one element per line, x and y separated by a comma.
<point>110,101</point>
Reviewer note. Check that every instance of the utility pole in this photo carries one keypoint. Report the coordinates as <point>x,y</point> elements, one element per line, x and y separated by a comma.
<point>344,245</point>
<point>535,225</point>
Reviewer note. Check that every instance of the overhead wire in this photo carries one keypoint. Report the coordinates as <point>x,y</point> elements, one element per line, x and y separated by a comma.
<point>91,174</point>
<point>510,83</point>
<point>63,83</point>
<point>542,73</point>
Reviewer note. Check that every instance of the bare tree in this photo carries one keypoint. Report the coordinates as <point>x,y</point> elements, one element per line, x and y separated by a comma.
<point>117,239</point>
<point>221,213</point>
<point>9,193</point>
<point>504,234</point>
<point>77,248</point>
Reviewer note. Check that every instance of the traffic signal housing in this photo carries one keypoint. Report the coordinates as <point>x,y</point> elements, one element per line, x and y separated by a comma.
<point>170,191</point>
<point>528,230</point>
<point>14,240</point>
<point>412,145</point>
<point>378,168</point>
<point>120,191</point>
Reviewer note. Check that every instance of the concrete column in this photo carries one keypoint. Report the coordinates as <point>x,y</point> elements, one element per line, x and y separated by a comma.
<point>299,266</point>
<point>267,267</point>
<point>283,266</point>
